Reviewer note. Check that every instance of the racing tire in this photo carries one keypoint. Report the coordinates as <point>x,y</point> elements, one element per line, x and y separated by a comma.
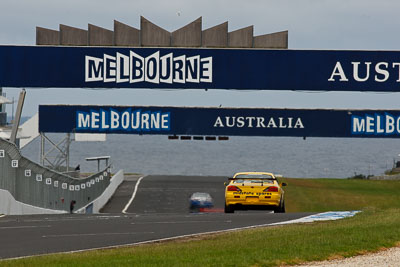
<point>192,210</point>
<point>281,208</point>
<point>229,209</point>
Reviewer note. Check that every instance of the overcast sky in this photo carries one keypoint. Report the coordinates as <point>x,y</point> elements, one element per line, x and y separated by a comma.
<point>312,24</point>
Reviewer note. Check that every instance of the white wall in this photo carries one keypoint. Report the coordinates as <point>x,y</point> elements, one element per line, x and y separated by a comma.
<point>10,206</point>
<point>99,202</point>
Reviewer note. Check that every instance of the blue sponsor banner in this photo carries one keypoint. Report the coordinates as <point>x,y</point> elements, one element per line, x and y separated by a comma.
<point>219,121</point>
<point>100,67</point>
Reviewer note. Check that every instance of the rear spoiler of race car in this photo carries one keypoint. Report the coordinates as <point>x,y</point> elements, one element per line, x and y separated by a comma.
<point>276,176</point>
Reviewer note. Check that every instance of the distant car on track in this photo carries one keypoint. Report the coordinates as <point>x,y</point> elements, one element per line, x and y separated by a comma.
<point>254,190</point>
<point>200,200</point>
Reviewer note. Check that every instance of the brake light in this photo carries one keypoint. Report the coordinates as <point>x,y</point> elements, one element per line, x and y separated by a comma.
<point>271,189</point>
<point>233,188</point>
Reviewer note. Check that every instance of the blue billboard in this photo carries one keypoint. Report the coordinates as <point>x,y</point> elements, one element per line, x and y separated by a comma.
<point>219,121</point>
<point>201,68</point>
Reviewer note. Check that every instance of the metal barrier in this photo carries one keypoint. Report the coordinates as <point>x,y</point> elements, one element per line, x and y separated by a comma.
<point>39,186</point>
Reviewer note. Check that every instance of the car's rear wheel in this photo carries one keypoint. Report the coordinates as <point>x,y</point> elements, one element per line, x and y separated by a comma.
<point>281,208</point>
<point>194,209</point>
<point>229,209</point>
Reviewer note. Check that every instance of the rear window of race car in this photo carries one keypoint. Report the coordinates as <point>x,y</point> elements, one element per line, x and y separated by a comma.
<point>253,181</point>
<point>255,176</point>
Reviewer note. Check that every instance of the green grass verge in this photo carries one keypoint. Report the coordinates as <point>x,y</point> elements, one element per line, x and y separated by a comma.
<point>376,227</point>
<point>340,194</point>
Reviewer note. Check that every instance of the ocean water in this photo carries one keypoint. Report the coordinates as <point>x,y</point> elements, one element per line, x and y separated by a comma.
<point>289,156</point>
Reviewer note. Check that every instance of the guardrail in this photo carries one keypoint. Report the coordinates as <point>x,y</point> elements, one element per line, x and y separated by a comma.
<point>33,184</point>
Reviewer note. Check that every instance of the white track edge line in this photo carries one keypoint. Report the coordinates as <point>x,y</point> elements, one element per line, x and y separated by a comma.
<point>133,195</point>
<point>155,240</point>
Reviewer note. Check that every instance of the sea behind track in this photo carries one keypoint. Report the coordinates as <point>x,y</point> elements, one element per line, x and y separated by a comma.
<point>289,156</point>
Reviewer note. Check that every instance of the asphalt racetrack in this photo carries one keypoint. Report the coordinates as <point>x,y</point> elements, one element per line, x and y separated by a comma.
<point>159,210</point>
<point>170,194</point>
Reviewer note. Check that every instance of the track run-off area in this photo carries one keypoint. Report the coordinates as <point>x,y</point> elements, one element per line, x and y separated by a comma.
<point>142,210</point>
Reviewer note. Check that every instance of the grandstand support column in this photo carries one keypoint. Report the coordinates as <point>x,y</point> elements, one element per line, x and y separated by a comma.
<point>17,119</point>
<point>42,141</point>
<point>1,105</point>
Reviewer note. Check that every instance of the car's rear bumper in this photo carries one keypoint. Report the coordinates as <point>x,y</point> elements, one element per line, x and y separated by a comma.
<point>272,200</point>
<point>253,207</point>
<point>196,205</point>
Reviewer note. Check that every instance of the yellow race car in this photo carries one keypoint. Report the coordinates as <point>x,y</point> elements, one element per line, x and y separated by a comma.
<point>254,190</point>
